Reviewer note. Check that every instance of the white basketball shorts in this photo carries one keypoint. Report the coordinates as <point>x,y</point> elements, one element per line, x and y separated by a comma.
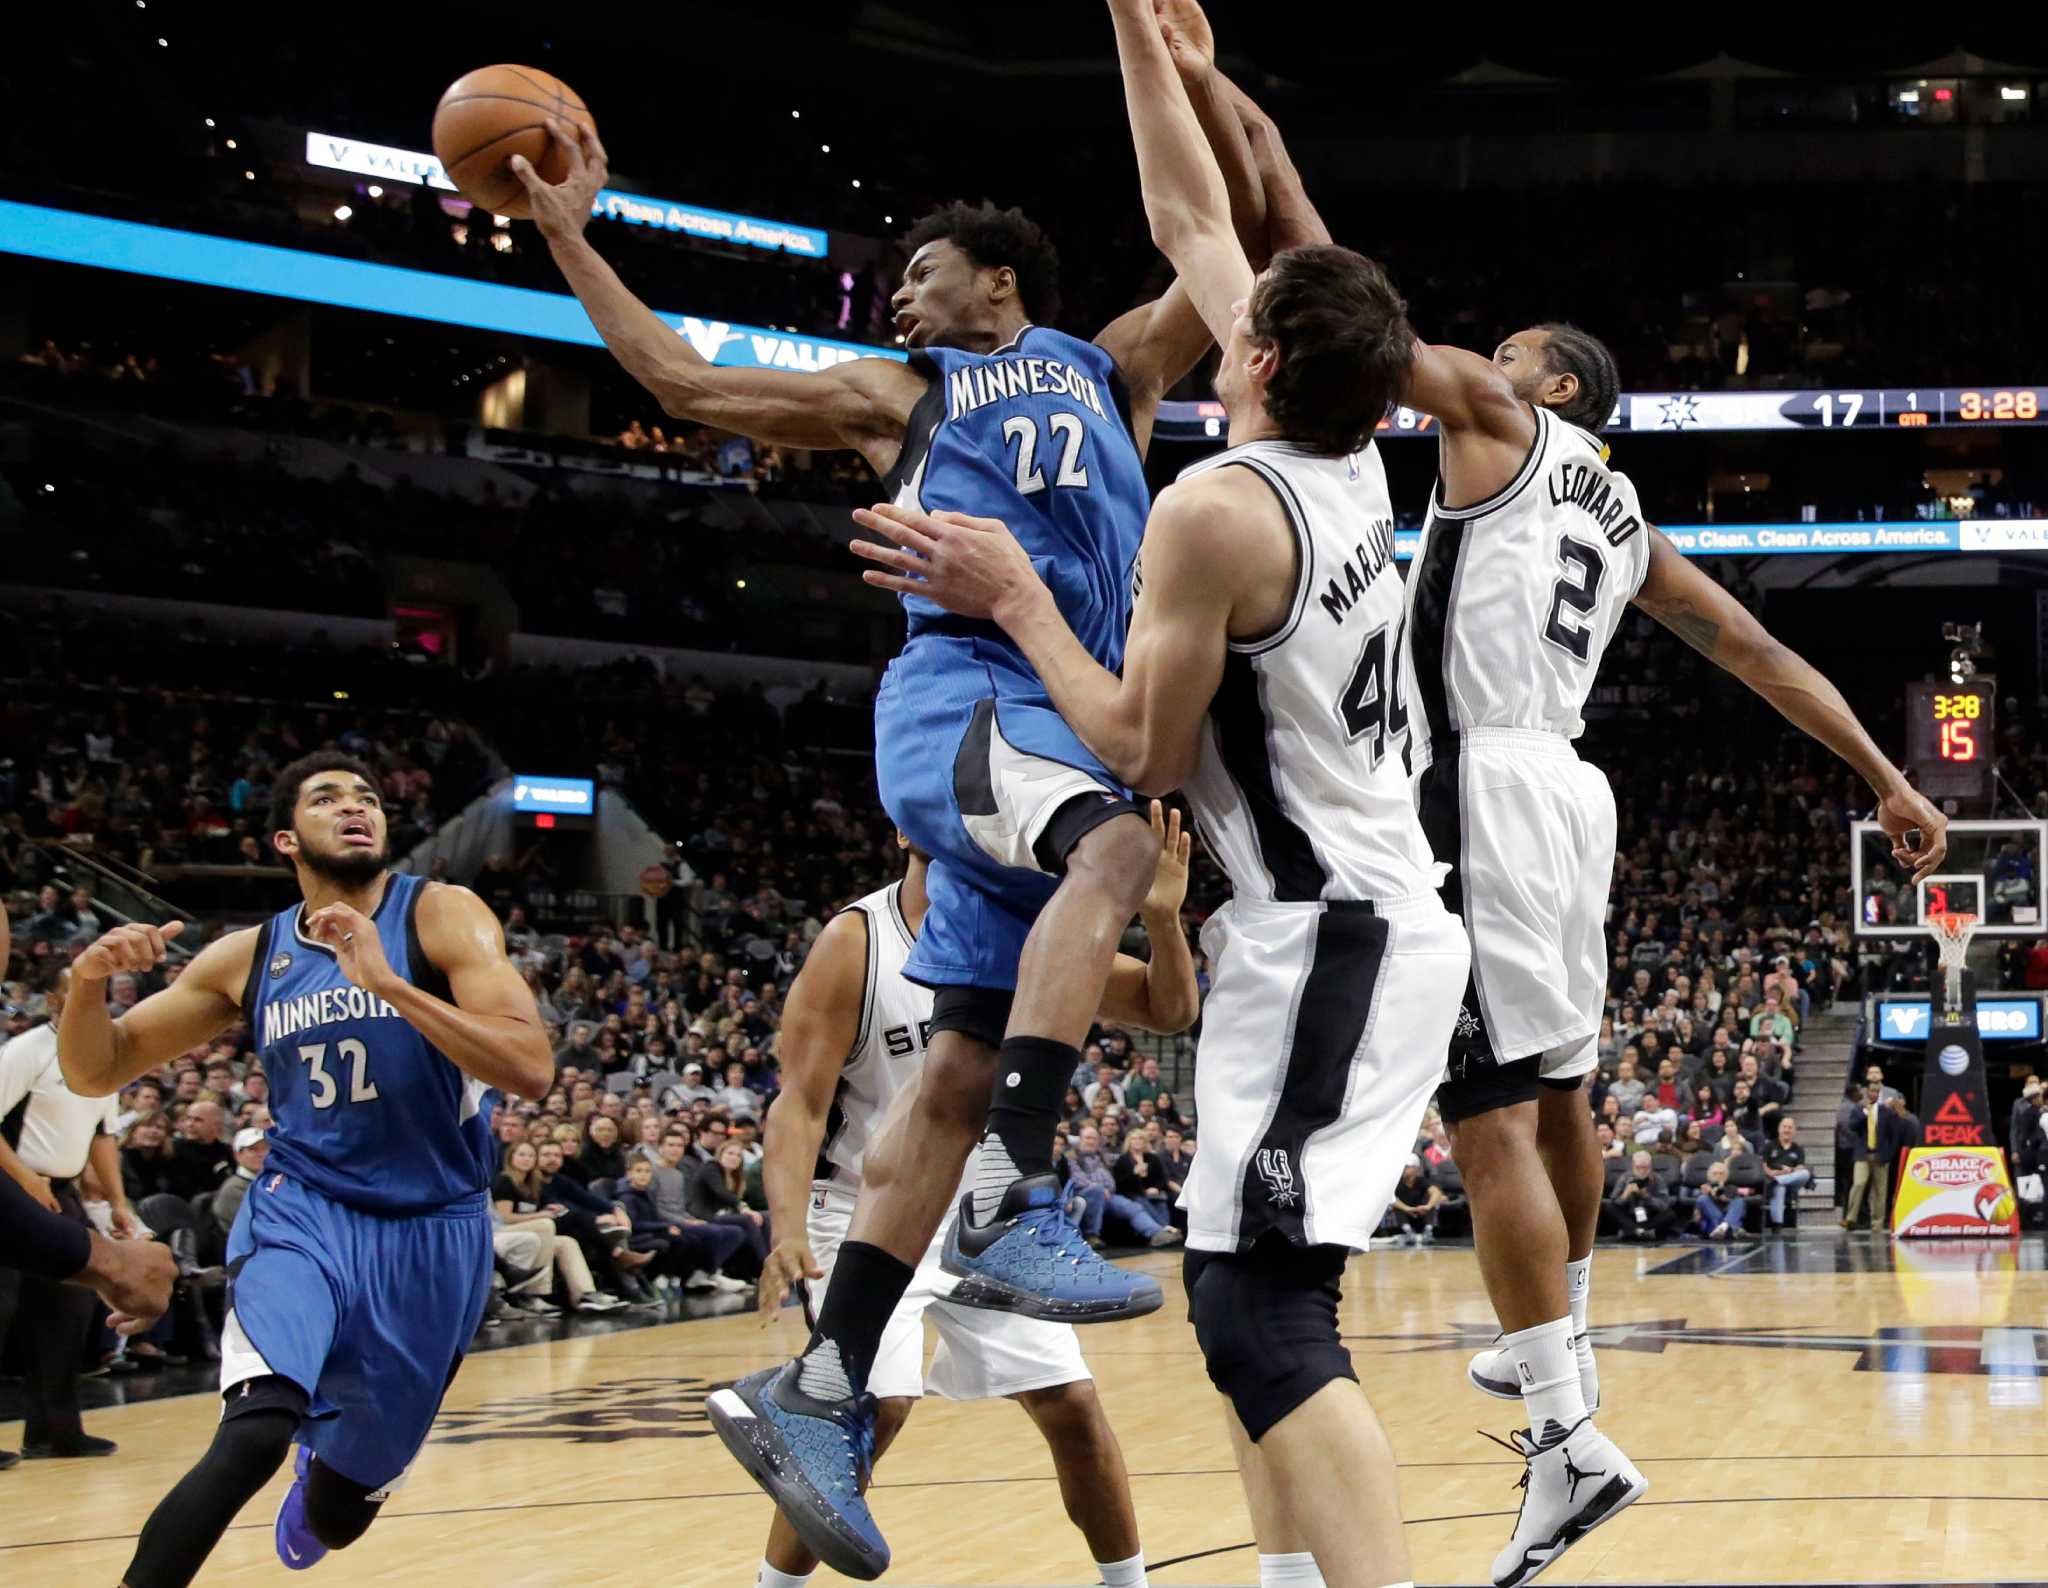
<point>1323,1037</point>
<point>1527,829</point>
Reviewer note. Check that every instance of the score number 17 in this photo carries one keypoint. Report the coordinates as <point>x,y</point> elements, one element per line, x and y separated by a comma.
<point>1824,405</point>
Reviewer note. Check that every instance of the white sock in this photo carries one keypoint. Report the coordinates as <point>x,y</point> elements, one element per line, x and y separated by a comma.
<point>1123,1573</point>
<point>1549,1370</point>
<point>993,1176</point>
<point>1297,1570</point>
<point>1578,1285</point>
<point>771,1578</point>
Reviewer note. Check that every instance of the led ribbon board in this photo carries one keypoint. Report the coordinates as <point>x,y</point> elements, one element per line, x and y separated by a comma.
<point>68,237</point>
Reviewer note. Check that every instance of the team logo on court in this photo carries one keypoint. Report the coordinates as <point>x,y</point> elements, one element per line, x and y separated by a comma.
<point>280,965</point>
<point>588,1414</point>
<point>1277,1170</point>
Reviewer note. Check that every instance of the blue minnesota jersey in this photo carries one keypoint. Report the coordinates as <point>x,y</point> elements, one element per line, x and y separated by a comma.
<point>367,1110</point>
<point>1037,434</point>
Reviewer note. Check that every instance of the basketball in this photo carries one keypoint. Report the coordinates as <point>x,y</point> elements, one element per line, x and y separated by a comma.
<point>493,113</point>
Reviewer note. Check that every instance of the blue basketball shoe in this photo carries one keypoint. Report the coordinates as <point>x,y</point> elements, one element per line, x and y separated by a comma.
<point>296,1545</point>
<point>812,1457</point>
<point>1030,1259</point>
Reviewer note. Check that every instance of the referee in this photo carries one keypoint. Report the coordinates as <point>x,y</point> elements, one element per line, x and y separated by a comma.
<point>51,1135</point>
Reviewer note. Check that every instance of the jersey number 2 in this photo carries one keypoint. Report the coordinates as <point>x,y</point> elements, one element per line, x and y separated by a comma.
<point>1579,589</point>
<point>361,1089</point>
<point>1024,432</point>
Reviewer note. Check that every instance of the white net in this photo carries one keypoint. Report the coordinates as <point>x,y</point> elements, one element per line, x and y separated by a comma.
<point>1952,930</point>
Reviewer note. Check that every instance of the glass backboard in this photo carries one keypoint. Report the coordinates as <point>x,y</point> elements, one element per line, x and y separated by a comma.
<point>1993,871</point>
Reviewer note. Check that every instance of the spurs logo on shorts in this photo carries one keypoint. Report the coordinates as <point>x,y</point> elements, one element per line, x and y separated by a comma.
<point>1278,1174</point>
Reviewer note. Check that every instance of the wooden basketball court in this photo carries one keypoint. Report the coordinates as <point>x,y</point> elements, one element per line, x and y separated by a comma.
<point>1821,1410</point>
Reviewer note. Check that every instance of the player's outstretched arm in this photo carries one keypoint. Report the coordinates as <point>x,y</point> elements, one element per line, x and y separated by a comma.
<point>99,1054</point>
<point>1156,344</point>
<point>492,1030</point>
<point>1721,629</point>
<point>1291,220</point>
<point>820,1025</point>
<point>861,405</point>
<point>1159,994</point>
<point>1146,725</point>
<point>1186,199</point>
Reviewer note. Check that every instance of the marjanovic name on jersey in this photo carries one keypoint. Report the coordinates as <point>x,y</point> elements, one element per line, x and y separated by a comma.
<point>1365,564</point>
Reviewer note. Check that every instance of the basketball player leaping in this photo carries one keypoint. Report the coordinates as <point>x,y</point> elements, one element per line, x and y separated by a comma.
<point>1532,548</point>
<point>385,1013</point>
<point>1261,675</point>
<point>1039,857</point>
<point>853,1042</point>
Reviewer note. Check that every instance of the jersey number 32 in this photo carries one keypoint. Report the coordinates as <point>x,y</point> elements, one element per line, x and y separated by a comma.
<point>320,1086</point>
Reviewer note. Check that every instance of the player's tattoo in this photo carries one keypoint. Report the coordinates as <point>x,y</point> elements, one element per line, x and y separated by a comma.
<point>1702,633</point>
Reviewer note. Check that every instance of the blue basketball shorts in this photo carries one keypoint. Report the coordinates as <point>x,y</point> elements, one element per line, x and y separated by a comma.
<point>368,1313</point>
<point>974,764</point>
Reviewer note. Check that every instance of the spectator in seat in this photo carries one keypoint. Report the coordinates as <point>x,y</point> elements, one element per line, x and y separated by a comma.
<point>204,1159</point>
<point>735,1096</point>
<point>1176,1156</point>
<point>1610,1146</point>
<point>252,1149</point>
<point>518,1196</point>
<point>1639,1208</point>
<point>1145,1086</point>
<point>149,1161</point>
<point>1167,1112</point>
<point>1785,1162</point>
<point>717,1195</point>
<point>687,1250</point>
<point>1707,1114</point>
<point>1627,1090</point>
<point>1718,1211</point>
<point>602,1156</point>
<point>1092,1193</point>
<point>1772,1021</point>
<point>1417,1199</point>
<point>1141,1177</point>
<point>1104,1085</point>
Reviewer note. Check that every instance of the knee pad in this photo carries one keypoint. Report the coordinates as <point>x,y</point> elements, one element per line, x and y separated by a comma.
<point>257,1420</point>
<point>339,1510</point>
<point>1266,1321</point>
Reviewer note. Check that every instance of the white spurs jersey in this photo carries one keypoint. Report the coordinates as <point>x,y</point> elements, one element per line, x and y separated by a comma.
<point>1302,788</point>
<point>1512,602</point>
<point>895,1025</point>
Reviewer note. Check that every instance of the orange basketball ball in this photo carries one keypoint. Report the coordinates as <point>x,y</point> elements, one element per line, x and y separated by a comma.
<point>489,115</point>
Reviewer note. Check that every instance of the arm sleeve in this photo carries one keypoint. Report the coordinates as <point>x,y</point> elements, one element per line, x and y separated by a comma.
<point>36,1241</point>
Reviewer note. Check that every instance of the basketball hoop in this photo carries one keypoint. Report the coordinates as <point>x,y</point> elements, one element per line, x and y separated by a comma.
<point>1952,930</point>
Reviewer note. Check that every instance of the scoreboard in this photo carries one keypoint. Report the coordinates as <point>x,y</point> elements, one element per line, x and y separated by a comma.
<point>1691,412</point>
<point>1951,735</point>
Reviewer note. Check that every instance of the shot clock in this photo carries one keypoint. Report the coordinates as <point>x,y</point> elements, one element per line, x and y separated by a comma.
<point>1951,735</point>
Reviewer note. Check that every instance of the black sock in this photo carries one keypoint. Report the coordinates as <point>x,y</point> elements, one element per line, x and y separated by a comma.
<point>867,1283</point>
<point>1032,1077</point>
